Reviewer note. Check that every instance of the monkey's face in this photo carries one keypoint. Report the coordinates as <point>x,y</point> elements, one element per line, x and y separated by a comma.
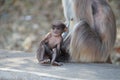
<point>56,31</point>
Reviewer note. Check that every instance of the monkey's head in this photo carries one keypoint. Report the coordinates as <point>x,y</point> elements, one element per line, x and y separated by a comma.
<point>58,28</point>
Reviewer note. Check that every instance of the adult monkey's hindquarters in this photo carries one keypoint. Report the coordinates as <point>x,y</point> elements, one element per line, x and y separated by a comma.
<point>94,33</point>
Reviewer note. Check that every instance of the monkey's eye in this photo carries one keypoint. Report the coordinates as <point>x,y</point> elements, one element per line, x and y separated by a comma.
<point>58,28</point>
<point>53,28</point>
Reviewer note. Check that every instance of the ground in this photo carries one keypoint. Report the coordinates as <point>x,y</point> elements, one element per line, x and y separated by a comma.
<point>22,25</point>
<point>17,65</point>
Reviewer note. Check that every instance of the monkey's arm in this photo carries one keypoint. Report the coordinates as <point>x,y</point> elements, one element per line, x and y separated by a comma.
<point>58,48</point>
<point>45,38</point>
<point>59,45</point>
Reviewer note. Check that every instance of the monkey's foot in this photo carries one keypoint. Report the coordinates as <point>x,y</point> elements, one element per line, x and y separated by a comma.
<point>56,64</point>
<point>46,61</point>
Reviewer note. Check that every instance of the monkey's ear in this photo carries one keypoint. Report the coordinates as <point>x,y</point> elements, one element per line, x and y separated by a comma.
<point>66,29</point>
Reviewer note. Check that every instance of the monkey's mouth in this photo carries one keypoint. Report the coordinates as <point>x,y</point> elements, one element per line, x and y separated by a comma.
<point>56,32</point>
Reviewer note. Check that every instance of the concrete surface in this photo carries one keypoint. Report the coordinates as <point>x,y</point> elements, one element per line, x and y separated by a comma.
<point>16,65</point>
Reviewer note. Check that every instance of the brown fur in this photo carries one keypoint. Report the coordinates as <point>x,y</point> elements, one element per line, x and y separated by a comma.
<point>94,35</point>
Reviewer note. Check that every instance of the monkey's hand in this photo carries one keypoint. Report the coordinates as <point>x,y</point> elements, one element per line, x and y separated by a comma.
<point>56,64</point>
<point>46,61</point>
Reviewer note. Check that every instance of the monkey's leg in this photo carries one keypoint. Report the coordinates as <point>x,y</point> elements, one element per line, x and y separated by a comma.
<point>47,54</point>
<point>86,45</point>
<point>40,53</point>
<point>54,55</point>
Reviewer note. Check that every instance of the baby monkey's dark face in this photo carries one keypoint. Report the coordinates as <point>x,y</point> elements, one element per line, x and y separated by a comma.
<point>57,31</point>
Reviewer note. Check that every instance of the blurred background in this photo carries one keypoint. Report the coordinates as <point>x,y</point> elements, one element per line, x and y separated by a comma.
<point>24,22</point>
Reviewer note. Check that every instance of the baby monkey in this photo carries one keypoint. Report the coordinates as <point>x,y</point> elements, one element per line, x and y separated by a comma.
<point>50,45</point>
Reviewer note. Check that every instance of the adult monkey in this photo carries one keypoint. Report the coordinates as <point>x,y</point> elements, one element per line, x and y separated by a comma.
<point>94,33</point>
